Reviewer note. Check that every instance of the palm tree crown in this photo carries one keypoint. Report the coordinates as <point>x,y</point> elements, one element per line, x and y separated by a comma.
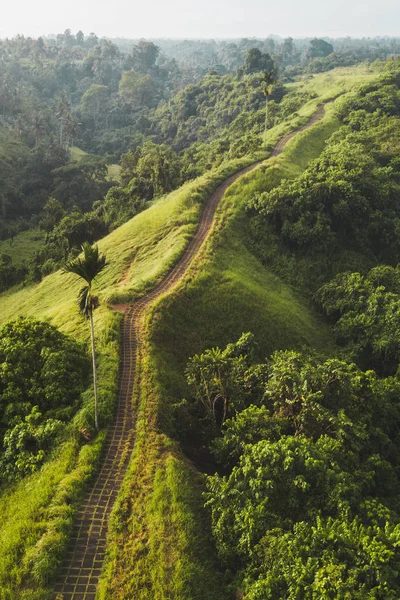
<point>269,78</point>
<point>87,267</point>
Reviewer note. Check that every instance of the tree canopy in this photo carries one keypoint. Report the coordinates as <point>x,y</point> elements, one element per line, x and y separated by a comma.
<point>42,374</point>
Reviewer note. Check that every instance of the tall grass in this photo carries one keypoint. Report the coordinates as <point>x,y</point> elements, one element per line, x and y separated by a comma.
<point>37,513</point>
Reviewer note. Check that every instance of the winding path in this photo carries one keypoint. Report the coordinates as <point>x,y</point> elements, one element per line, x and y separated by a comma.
<point>84,559</point>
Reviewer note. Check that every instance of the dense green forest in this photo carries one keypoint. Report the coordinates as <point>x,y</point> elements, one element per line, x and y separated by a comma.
<point>93,129</point>
<point>266,453</point>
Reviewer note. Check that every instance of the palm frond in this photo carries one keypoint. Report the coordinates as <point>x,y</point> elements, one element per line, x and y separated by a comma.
<point>87,266</point>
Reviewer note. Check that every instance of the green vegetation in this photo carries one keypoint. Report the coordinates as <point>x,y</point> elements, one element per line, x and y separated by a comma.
<point>90,135</point>
<point>42,376</point>
<point>113,171</point>
<point>306,458</point>
<point>23,245</point>
<point>309,446</point>
<point>365,312</point>
<point>342,481</point>
<point>152,241</point>
<point>227,292</point>
<point>341,213</point>
<point>38,516</point>
<point>39,510</point>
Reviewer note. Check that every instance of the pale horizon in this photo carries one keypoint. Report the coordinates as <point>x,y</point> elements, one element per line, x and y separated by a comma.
<point>179,19</point>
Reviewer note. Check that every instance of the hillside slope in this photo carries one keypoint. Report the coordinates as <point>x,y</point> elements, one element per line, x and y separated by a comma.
<point>159,520</point>
<point>140,252</point>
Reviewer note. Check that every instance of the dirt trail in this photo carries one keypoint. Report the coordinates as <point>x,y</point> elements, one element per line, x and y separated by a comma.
<point>84,559</point>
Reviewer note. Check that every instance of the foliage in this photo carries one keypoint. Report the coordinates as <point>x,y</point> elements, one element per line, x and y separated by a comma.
<point>319,48</point>
<point>114,105</point>
<point>365,310</point>
<point>335,202</point>
<point>137,90</point>
<point>255,61</point>
<point>25,445</point>
<point>150,171</point>
<point>153,241</point>
<point>220,379</point>
<point>329,559</point>
<point>79,184</point>
<point>89,266</point>
<point>38,511</point>
<point>345,203</point>
<point>42,375</point>
<point>310,458</point>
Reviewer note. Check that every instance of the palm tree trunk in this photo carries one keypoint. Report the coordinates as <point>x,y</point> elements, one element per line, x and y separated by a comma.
<point>266,121</point>
<point>96,409</point>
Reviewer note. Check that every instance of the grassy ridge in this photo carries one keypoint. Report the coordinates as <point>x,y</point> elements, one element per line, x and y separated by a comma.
<point>160,547</point>
<point>232,291</point>
<point>142,563</point>
<point>155,531</point>
<point>37,529</point>
<point>139,253</point>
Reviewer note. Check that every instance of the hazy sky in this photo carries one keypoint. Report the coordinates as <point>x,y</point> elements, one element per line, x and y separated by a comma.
<point>202,18</point>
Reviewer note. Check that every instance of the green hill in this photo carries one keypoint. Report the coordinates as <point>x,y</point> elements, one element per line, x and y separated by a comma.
<point>160,539</point>
<point>227,292</point>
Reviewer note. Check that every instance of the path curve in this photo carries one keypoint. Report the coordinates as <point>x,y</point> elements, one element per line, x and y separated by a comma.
<point>84,559</point>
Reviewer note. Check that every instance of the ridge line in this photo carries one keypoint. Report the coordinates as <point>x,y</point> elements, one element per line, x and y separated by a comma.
<point>85,554</point>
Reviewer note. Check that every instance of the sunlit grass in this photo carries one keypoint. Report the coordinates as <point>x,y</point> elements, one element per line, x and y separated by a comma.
<point>76,154</point>
<point>152,241</point>
<point>24,245</point>
<point>232,292</point>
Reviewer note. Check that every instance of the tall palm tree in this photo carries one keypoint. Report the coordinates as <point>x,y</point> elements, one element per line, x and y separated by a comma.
<point>269,78</point>
<point>88,267</point>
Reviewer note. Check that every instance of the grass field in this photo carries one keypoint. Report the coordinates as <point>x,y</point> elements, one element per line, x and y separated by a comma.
<point>37,524</point>
<point>333,83</point>
<point>24,245</point>
<point>231,291</point>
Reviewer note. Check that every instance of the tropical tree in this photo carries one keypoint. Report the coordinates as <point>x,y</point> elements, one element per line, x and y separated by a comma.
<point>88,267</point>
<point>319,48</point>
<point>269,78</point>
